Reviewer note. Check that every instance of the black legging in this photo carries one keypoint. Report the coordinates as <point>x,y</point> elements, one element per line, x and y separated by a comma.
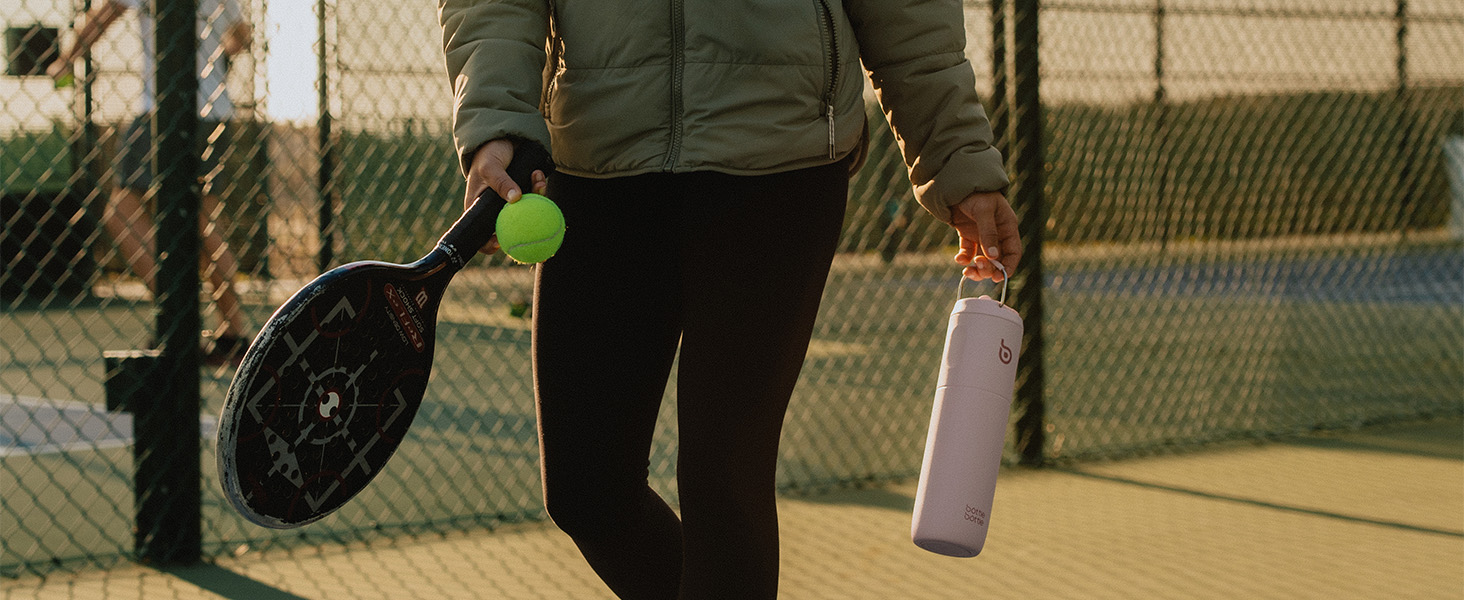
<point>731,268</point>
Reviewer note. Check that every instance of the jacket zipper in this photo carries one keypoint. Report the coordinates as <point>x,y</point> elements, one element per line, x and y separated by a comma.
<point>678,67</point>
<point>833,53</point>
<point>552,67</point>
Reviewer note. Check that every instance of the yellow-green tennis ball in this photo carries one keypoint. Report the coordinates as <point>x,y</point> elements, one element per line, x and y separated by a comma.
<point>531,229</point>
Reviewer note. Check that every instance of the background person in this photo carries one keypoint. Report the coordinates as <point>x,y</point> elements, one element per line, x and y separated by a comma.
<point>222,33</point>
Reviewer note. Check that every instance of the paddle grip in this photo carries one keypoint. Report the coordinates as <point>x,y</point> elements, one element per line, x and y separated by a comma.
<point>475,227</point>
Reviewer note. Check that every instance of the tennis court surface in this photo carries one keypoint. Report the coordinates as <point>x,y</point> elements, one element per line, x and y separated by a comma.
<point>1376,513</point>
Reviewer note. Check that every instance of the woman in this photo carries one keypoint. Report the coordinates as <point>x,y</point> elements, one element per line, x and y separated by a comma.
<point>703,151</point>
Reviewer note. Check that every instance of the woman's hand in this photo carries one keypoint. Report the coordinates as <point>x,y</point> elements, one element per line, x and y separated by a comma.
<point>988,229</point>
<point>60,71</point>
<point>489,169</point>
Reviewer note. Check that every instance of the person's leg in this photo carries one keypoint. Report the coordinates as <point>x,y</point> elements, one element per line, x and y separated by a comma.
<point>130,227</point>
<point>218,265</point>
<point>216,260</point>
<point>128,222</point>
<point>757,256</point>
<point>126,219</point>
<point>606,326</point>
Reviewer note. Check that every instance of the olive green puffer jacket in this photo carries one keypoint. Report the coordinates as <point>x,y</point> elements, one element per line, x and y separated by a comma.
<point>624,87</point>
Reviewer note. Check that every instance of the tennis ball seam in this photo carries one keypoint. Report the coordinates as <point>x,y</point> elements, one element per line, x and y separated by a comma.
<point>531,243</point>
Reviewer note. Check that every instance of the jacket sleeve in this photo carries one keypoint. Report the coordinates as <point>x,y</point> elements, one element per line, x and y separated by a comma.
<point>914,51</point>
<point>495,54</point>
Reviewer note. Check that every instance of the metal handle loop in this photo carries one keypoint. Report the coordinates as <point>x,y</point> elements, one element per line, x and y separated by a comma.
<point>961,287</point>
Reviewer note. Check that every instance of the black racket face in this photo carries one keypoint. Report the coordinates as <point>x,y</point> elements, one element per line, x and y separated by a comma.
<point>328,390</point>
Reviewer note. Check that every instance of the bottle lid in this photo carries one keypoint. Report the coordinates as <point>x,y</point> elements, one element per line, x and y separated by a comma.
<point>984,305</point>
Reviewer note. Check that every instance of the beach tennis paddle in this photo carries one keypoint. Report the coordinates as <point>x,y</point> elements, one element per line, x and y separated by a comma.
<point>329,387</point>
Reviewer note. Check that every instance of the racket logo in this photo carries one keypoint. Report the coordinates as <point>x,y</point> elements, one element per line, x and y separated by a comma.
<point>330,405</point>
<point>405,322</point>
<point>1005,354</point>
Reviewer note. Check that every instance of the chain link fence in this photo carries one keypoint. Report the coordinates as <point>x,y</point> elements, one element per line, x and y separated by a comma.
<point>1249,219</point>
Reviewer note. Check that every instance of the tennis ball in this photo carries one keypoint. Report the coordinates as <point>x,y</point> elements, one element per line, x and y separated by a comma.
<point>531,229</point>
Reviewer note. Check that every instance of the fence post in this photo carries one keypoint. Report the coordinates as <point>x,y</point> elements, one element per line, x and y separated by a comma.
<point>325,188</point>
<point>1406,188</point>
<point>1000,108</point>
<point>1028,170</point>
<point>1161,105</point>
<point>86,153</point>
<point>166,451</point>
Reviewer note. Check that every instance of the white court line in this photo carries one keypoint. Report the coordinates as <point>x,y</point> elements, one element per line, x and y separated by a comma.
<point>31,426</point>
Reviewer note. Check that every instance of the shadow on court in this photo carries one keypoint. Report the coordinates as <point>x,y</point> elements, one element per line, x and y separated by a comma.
<point>228,584</point>
<point>1441,441</point>
<point>872,497</point>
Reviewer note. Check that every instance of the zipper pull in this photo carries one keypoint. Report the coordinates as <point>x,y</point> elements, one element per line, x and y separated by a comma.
<point>831,130</point>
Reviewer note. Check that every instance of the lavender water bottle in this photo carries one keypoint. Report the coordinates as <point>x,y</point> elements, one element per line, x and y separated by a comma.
<point>968,424</point>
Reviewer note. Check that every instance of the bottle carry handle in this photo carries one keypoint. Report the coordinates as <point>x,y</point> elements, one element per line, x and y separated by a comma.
<point>961,287</point>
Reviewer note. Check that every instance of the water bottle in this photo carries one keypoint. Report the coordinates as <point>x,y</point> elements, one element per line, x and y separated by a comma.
<point>973,398</point>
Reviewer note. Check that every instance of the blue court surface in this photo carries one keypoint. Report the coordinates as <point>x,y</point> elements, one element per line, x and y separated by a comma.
<point>1415,277</point>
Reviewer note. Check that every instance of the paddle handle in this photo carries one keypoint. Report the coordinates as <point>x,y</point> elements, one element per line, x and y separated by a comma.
<point>475,227</point>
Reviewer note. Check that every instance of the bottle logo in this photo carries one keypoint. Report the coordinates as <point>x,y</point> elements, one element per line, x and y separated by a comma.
<point>1006,353</point>
<point>975,515</point>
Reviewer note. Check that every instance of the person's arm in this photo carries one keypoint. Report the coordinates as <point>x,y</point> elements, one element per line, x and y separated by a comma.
<point>95,23</point>
<point>495,55</point>
<point>238,38</point>
<point>238,33</point>
<point>915,55</point>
